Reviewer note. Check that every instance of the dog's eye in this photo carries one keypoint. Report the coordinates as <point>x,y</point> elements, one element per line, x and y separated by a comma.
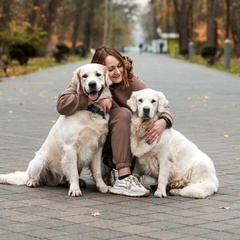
<point>84,76</point>
<point>153,101</point>
<point>99,74</point>
<point>140,100</point>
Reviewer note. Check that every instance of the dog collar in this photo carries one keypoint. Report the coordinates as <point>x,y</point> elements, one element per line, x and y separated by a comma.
<point>92,108</point>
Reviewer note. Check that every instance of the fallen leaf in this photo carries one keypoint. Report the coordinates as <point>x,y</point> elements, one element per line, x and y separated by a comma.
<point>227,208</point>
<point>238,158</point>
<point>204,98</point>
<point>226,135</point>
<point>96,214</point>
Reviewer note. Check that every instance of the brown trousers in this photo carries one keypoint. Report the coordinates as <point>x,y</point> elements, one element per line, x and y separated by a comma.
<point>117,146</point>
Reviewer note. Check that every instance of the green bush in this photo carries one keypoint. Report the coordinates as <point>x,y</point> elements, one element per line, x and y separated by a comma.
<point>63,48</point>
<point>22,52</point>
<point>81,51</point>
<point>184,52</point>
<point>208,51</point>
<point>211,54</point>
<point>61,52</point>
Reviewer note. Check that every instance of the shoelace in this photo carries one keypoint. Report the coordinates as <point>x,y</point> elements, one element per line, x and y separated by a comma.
<point>133,180</point>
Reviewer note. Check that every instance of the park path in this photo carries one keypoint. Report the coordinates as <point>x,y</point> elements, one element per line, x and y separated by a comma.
<point>205,104</point>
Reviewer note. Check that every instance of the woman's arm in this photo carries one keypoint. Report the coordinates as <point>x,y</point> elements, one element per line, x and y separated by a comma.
<point>167,116</point>
<point>70,101</point>
<point>165,120</point>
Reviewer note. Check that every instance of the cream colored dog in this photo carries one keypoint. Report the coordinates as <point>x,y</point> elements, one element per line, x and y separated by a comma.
<point>74,142</point>
<point>174,161</point>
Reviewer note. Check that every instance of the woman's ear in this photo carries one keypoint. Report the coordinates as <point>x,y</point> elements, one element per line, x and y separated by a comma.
<point>131,102</point>
<point>162,102</point>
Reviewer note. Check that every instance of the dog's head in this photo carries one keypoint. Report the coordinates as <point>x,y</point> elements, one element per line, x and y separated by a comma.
<point>92,79</point>
<point>147,102</point>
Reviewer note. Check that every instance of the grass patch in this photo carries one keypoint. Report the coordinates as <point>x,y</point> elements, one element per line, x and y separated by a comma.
<point>219,65</point>
<point>36,64</point>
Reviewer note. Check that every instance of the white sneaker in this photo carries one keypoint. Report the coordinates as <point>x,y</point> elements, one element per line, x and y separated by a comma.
<point>129,186</point>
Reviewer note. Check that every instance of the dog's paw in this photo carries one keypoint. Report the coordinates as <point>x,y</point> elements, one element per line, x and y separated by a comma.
<point>178,184</point>
<point>3,179</point>
<point>175,192</point>
<point>32,183</point>
<point>75,192</point>
<point>104,189</point>
<point>159,193</point>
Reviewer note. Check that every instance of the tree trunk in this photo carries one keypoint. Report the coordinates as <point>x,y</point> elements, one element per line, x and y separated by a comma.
<point>77,20</point>
<point>90,8</point>
<point>5,16</point>
<point>235,28</point>
<point>52,15</point>
<point>183,31</point>
<point>211,23</point>
<point>35,14</point>
<point>181,20</point>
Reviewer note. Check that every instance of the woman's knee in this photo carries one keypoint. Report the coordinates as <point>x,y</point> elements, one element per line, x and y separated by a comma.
<point>122,114</point>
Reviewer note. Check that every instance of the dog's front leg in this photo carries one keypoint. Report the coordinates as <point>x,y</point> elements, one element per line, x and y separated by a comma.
<point>95,168</point>
<point>70,169</point>
<point>163,175</point>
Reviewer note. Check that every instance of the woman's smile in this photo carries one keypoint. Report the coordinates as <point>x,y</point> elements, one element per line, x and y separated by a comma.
<point>115,69</point>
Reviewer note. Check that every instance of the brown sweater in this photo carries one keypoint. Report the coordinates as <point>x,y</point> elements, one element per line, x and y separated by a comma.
<point>69,101</point>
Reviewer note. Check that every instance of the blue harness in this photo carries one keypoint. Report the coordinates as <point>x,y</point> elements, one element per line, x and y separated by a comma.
<point>92,108</point>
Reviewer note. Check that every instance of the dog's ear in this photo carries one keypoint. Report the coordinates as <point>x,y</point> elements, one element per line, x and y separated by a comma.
<point>108,81</point>
<point>76,80</point>
<point>131,102</point>
<point>162,102</point>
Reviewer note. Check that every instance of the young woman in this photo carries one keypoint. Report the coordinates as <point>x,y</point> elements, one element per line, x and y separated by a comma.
<point>117,152</point>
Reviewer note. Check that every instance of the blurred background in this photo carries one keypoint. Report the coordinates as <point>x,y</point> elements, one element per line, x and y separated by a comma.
<point>59,28</point>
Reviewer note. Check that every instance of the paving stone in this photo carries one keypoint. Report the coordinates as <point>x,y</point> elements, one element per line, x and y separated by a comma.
<point>205,104</point>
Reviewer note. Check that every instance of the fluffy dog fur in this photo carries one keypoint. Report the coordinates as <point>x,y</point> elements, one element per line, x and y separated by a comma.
<point>174,161</point>
<point>74,142</point>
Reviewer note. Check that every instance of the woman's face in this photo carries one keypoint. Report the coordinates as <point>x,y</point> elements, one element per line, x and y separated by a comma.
<point>115,69</point>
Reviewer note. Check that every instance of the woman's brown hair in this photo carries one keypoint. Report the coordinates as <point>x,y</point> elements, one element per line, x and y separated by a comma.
<point>102,52</point>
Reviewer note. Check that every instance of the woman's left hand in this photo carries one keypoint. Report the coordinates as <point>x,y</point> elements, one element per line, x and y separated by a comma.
<point>155,131</point>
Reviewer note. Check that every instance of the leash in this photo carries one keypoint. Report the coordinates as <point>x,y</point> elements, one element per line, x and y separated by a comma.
<point>92,108</point>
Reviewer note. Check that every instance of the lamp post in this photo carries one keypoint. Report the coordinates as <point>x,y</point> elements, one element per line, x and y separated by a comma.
<point>191,50</point>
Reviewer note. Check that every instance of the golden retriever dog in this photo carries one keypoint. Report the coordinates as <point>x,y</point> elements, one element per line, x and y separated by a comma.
<point>74,142</point>
<point>174,161</point>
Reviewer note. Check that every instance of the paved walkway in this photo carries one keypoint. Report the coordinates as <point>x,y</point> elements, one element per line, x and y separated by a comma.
<point>206,106</point>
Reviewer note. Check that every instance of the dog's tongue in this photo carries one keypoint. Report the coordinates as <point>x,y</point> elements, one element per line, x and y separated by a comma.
<point>93,96</point>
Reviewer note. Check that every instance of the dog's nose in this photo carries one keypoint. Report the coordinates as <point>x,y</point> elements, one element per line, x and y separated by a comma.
<point>146,110</point>
<point>92,85</point>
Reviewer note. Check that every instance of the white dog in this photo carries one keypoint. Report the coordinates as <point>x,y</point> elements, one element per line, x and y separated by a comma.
<point>174,160</point>
<point>74,142</point>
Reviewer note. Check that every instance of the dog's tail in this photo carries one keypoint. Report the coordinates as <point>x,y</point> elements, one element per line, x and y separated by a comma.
<point>16,178</point>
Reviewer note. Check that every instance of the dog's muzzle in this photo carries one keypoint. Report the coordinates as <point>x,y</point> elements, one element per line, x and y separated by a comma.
<point>93,94</point>
<point>146,112</point>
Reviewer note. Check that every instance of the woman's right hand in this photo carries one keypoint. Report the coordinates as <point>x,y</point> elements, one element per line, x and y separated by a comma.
<point>106,104</point>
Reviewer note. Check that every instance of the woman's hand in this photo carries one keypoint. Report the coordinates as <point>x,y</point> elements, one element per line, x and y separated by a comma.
<point>155,131</point>
<point>106,104</point>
